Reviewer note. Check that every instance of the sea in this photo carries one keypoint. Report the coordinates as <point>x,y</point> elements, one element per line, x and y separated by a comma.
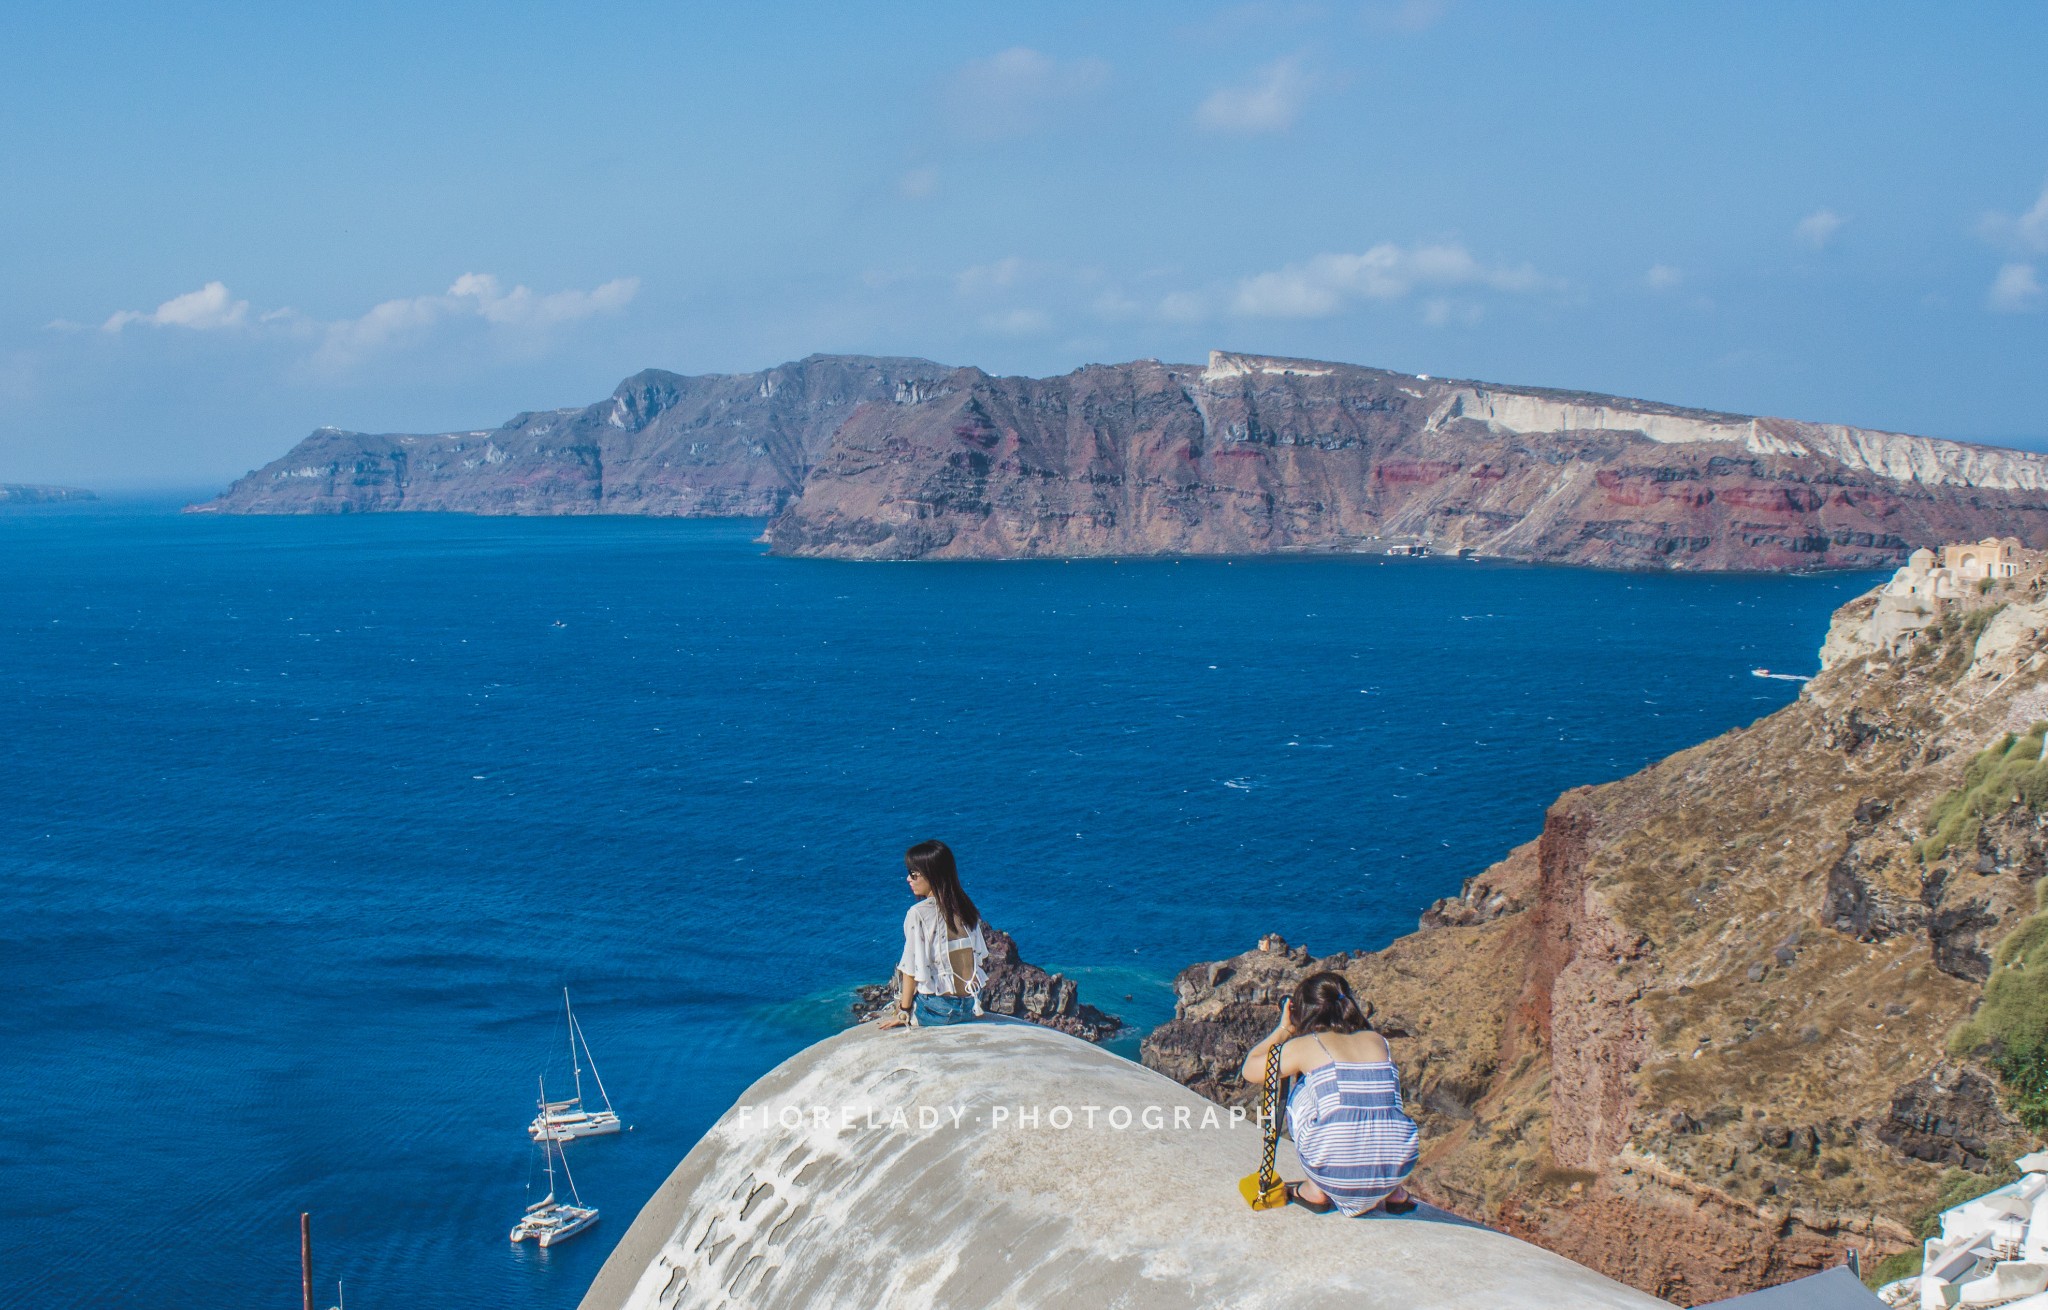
<point>306,823</point>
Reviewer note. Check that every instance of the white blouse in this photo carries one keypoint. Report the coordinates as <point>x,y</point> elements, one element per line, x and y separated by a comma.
<point>942,965</point>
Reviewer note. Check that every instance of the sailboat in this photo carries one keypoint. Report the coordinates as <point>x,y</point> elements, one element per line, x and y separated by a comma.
<point>561,1120</point>
<point>547,1220</point>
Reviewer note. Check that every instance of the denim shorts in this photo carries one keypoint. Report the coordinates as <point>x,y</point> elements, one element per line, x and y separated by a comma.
<point>938,1011</point>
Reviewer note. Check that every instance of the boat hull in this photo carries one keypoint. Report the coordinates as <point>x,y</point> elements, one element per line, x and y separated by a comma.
<point>551,1223</point>
<point>562,1128</point>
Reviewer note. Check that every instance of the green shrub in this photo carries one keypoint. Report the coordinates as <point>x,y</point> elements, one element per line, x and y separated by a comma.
<point>1903,1264</point>
<point>2010,773</point>
<point>2024,1071</point>
<point>1956,1187</point>
<point>2010,1026</point>
<point>1956,638</point>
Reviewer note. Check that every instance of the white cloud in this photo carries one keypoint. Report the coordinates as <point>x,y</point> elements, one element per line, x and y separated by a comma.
<point>2026,233</point>
<point>1017,92</point>
<point>1663,277</point>
<point>1270,102</point>
<point>2016,290</point>
<point>208,309</point>
<point>473,295</point>
<point>1326,284</point>
<point>1817,229</point>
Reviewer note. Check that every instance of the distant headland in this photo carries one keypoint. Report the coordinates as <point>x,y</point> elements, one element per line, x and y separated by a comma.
<point>22,493</point>
<point>865,457</point>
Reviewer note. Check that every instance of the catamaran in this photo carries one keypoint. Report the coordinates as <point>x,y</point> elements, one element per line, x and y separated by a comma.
<point>547,1220</point>
<point>561,1120</point>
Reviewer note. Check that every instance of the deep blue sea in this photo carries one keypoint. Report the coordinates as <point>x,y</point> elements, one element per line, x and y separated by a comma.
<point>306,822</point>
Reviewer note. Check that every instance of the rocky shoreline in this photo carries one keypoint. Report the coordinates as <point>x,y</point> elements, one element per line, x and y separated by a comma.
<point>1703,1033</point>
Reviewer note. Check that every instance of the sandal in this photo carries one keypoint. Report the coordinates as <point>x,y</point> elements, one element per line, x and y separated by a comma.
<point>1406,1205</point>
<point>1294,1197</point>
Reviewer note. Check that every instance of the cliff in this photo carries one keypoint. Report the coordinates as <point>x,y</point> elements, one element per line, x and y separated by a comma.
<point>712,446</point>
<point>873,458</point>
<point>1260,455</point>
<point>810,1192</point>
<point>1763,1000</point>
<point>18,493</point>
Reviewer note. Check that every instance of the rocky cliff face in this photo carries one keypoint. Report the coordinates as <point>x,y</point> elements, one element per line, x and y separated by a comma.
<point>1700,1033</point>
<point>1254,455</point>
<point>712,446</point>
<point>875,458</point>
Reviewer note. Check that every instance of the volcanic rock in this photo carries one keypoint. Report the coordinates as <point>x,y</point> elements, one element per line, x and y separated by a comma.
<point>1017,989</point>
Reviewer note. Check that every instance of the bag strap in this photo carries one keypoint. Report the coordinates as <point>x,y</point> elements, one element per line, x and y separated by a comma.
<point>1269,1110</point>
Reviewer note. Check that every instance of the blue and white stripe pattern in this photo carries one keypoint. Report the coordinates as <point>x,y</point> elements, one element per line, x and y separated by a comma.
<point>1354,1139</point>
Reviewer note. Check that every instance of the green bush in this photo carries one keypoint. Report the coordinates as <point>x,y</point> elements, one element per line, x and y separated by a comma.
<point>1903,1264</point>
<point>1957,1186</point>
<point>2024,1071</point>
<point>1955,638</point>
<point>2010,773</point>
<point>2011,1022</point>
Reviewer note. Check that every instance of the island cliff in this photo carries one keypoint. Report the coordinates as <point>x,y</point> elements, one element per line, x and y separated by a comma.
<point>714,446</point>
<point>19,493</point>
<point>870,458</point>
<point>1762,1001</point>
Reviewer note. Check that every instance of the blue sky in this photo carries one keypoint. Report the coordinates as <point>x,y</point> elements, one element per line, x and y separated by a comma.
<point>226,225</point>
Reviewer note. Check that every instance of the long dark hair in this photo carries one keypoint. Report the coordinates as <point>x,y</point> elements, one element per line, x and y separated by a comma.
<point>1323,1003</point>
<point>934,861</point>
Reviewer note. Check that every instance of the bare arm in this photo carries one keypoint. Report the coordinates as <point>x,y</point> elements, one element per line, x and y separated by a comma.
<point>906,994</point>
<point>1254,1069</point>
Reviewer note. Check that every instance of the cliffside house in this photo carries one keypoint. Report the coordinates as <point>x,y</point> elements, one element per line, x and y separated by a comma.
<point>1919,594</point>
<point>1993,557</point>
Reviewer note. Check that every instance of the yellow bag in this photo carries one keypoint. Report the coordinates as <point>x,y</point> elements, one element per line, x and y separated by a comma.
<point>1264,1190</point>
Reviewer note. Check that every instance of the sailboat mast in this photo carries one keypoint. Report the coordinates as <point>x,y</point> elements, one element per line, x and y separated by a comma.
<point>573,1063</point>
<point>547,1142</point>
<point>593,1062</point>
<point>566,1174</point>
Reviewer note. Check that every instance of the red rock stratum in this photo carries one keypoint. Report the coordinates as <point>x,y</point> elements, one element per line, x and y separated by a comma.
<point>878,458</point>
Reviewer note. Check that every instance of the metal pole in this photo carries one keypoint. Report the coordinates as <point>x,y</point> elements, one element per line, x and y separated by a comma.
<point>306,1258</point>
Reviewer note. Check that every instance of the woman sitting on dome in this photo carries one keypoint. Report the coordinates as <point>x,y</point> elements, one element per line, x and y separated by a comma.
<point>940,975</point>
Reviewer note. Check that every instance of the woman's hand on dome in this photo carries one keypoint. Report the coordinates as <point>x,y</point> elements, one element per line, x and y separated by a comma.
<point>895,1018</point>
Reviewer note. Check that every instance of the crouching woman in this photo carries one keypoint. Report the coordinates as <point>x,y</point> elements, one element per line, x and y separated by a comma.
<point>940,976</point>
<point>1344,1109</point>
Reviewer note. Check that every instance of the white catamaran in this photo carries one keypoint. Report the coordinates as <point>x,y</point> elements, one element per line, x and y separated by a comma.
<point>547,1220</point>
<point>561,1120</point>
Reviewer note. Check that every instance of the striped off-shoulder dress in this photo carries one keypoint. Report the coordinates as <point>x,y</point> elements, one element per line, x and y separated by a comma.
<point>1348,1126</point>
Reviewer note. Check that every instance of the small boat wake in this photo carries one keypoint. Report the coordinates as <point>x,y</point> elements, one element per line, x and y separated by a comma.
<point>1781,677</point>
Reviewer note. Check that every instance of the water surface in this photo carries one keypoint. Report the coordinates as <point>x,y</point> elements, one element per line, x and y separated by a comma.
<point>306,822</point>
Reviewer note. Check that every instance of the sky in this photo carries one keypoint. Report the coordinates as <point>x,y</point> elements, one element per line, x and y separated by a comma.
<point>222,226</point>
